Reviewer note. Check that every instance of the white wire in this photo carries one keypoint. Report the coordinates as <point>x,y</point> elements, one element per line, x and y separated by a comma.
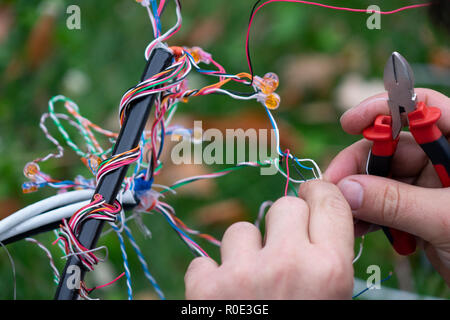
<point>163,187</point>
<point>152,20</point>
<point>165,35</point>
<point>43,206</point>
<point>253,96</point>
<point>262,210</point>
<point>317,172</point>
<point>87,251</point>
<point>361,246</point>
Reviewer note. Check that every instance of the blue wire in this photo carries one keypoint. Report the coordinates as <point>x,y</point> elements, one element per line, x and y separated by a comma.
<point>144,265</point>
<point>368,288</point>
<point>155,14</point>
<point>125,261</point>
<point>279,149</point>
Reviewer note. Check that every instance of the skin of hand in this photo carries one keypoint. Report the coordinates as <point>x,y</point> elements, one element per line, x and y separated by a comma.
<point>413,200</point>
<point>307,252</point>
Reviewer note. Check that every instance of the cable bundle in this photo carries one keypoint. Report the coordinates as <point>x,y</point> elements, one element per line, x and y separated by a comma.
<point>69,230</point>
<point>117,161</point>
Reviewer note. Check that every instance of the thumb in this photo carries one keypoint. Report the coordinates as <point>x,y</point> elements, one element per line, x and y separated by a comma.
<point>420,211</point>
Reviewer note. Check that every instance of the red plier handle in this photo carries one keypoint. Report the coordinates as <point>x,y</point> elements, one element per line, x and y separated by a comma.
<point>422,124</point>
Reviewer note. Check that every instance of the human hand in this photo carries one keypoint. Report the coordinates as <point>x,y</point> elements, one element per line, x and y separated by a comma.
<point>413,200</point>
<point>307,252</point>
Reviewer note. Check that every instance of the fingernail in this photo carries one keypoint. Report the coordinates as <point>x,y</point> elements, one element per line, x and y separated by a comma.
<point>353,192</point>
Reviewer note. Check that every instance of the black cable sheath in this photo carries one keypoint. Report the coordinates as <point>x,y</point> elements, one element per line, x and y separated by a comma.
<point>109,185</point>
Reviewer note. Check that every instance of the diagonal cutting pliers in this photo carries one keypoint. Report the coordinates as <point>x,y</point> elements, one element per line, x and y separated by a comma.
<point>399,83</point>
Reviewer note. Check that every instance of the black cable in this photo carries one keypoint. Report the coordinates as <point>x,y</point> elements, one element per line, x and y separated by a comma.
<point>298,171</point>
<point>248,44</point>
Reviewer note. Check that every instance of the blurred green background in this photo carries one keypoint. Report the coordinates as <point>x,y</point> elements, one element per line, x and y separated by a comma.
<point>327,62</point>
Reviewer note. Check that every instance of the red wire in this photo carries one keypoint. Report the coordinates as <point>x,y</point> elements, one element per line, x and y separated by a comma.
<point>109,283</point>
<point>324,6</point>
<point>287,172</point>
<point>161,6</point>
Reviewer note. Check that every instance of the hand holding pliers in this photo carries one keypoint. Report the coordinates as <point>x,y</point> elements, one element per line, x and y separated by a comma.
<point>399,83</point>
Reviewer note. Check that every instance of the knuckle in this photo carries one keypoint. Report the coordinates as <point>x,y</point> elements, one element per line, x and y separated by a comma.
<point>391,203</point>
<point>446,224</point>
<point>329,194</point>
<point>338,275</point>
<point>336,203</point>
<point>283,273</point>
<point>240,276</point>
<point>285,270</point>
<point>443,232</point>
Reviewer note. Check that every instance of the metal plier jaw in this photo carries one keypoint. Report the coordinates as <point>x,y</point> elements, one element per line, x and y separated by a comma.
<point>399,83</point>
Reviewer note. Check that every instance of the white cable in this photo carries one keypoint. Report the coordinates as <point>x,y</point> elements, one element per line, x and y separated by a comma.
<point>43,206</point>
<point>53,216</point>
<point>43,219</point>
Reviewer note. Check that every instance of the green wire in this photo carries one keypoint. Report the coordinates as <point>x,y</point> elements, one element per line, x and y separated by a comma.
<point>226,169</point>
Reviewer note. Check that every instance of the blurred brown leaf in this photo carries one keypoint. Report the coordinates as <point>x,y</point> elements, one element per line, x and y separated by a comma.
<point>146,295</point>
<point>39,44</point>
<point>8,206</point>
<point>223,212</point>
<point>6,21</point>
<point>307,72</point>
<point>353,89</point>
<point>317,112</point>
<point>440,57</point>
<point>206,31</point>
